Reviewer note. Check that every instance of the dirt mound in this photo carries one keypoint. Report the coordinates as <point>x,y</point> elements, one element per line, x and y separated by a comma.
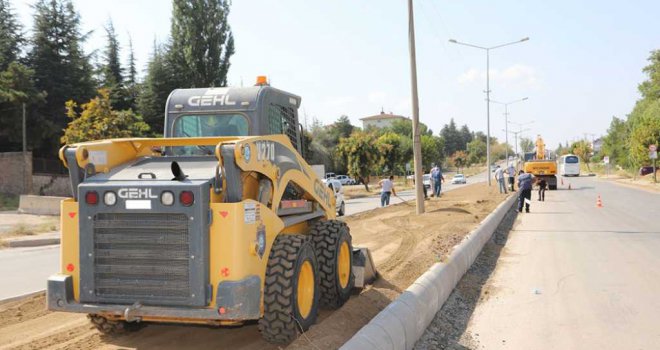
<point>403,246</point>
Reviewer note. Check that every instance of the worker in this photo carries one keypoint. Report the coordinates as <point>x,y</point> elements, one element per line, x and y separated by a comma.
<point>542,187</point>
<point>499,177</point>
<point>511,171</point>
<point>387,188</point>
<point>436,180</point>
<point>524,190</point>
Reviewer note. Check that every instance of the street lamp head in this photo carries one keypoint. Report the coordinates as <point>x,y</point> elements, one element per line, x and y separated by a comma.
<point>526,98</point>
<point>452,41</point>
<point>524,39</point>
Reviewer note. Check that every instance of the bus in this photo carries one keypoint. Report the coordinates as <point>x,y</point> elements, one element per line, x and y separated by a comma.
<point>569,165</point>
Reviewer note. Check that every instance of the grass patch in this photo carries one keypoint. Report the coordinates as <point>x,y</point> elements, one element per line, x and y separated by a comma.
<point>8,201</point>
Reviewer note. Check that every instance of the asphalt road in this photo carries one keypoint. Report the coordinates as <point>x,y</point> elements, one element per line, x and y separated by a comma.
<point>26,270</point>
<point>574,276</point>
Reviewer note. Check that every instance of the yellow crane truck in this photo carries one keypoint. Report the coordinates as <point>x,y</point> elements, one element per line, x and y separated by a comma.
<point>540,165</point>
<point>220,222</point>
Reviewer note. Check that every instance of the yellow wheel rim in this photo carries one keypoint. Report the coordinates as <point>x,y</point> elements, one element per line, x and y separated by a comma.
<point>305,289</point>
<point>344,265</point>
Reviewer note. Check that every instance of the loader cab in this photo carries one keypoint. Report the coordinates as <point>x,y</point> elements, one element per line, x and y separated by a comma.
<point>232,111</point>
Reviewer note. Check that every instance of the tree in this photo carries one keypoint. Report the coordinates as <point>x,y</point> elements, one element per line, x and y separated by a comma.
<point>157,86</point>
<point>16,88</point>
<point>112,72</point>
<point>201,42</point>
<point>583,150</point>
<point>432,151</point>
<point>61,68</point>
<point>362,154</point>
<point>131,84</point>
<point>476,151</point>
<point>526,145</point>
<point>459,160</point>
<point>391,143</point>
<point>650,89</point>
<point>615,143</point>
<point>11,36</point>
<point>99,121</point>
<point>404,127</point>
<point>453,138</point>
<point>644,131</point>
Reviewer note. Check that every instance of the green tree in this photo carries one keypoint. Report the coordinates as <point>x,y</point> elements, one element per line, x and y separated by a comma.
<point>99,121</point>
<point>615,143</point>
<point>650,88</point>
<point>526,145</point>
<point>453,139</point>
<point>476,151</point>
<point>201,42</point>
<point>157,86</point>
<point>112,72</point>
<point>16,88</point>
<point>432,150</point>
<point>404,127</point>
<point>583,150</point>
<point>362,155</point>
<point>644,131</point>
<point>61,68</point>
<point>11,37</point>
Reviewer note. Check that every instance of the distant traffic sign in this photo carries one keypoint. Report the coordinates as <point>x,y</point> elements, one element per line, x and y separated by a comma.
<point>653,154</point>
<point>653,148</point>
<point>606,160</point>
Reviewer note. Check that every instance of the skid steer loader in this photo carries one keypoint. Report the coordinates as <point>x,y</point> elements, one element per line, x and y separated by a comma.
<point>219,223</point>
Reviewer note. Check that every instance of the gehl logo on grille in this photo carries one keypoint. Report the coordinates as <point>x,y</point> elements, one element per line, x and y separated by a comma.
<point>136,193</point>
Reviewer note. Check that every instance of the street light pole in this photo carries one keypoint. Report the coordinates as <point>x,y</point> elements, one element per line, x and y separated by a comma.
<point>506,124</point>
<point>487,49</point>
<point>417,148</point>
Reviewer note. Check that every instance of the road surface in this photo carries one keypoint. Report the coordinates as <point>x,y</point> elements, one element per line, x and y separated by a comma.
<point>574,276</point>
<point>26,270</point>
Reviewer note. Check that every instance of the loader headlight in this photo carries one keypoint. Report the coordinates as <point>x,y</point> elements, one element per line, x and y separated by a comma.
<point>109,198</point>
<point>167,198</point>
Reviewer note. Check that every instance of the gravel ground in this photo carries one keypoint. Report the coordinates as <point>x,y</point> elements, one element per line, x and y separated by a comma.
<point>447,330</point>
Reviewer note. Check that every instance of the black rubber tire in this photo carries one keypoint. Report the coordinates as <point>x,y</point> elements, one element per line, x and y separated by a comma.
<point>282,321</point>
<point>342,209</point>
<point>328,237</point>
<point>110,327</point>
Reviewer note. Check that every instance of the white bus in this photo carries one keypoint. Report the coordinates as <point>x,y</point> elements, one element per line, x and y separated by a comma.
<point>569,165</point>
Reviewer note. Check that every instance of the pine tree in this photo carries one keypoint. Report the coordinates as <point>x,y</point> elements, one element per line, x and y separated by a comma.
<point>10,35</point>
<point>201,42</point>
<point>157,86</point>
<point>112,72</point>
<point>60,66</point>
<point>131,78</point>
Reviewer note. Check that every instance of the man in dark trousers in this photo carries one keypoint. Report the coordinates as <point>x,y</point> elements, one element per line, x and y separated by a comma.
<point>543,185</point>
<point>524,190</point>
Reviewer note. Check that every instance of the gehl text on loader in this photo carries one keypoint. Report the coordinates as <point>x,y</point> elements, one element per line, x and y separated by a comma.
<point>220,222</point>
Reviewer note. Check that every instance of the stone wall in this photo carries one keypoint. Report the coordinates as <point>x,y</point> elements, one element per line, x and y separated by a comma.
<point>51,185</point>
<point>13,170</point>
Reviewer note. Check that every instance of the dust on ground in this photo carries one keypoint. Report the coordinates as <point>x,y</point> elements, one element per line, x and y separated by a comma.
<point>403,246</point>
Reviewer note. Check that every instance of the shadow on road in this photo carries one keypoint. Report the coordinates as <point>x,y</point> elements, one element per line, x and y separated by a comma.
<point>447,330</point>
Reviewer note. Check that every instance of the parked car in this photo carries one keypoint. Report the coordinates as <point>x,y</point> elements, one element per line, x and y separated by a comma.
<point>345,180</point>
<point>459,179</point>
<point>645,170</point>
<point>337,188</point>
<point>330,175</point>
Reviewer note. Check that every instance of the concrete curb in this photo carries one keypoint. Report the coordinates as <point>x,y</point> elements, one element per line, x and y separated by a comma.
<point>404,320</point>
<point>38,242</point>
<point>22,296</point>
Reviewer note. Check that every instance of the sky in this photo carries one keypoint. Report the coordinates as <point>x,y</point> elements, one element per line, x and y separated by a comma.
<point>581,66</point>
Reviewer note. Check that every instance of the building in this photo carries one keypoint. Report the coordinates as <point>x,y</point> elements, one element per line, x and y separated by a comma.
<point>597,145</point>
<point>381,120</point>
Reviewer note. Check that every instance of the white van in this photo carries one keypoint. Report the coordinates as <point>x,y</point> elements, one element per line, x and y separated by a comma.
<point>569,165</point>
<point>337,188</point>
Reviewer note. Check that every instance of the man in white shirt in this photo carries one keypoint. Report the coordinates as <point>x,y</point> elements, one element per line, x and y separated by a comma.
<point>511,171</point>
<point>499,177</point>
<point>387,188</point>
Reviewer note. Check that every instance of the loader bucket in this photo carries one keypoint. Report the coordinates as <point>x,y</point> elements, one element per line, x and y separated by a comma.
<point>364,269</point>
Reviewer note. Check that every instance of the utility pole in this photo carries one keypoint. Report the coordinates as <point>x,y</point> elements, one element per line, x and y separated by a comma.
<point>417,147</point>
<point>506,123</point>
<point>26,186</point>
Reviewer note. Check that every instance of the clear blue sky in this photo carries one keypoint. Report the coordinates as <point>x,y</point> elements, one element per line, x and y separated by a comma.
<point>580,67</point>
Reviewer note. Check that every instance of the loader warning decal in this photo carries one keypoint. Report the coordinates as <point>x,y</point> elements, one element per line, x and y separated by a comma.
<point>250,212</point>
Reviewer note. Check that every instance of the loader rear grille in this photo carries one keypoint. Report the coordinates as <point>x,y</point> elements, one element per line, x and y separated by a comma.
<point>142,257</point>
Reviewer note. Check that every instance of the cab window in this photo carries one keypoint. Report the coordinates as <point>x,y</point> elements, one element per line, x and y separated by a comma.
<point>207,125</point>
